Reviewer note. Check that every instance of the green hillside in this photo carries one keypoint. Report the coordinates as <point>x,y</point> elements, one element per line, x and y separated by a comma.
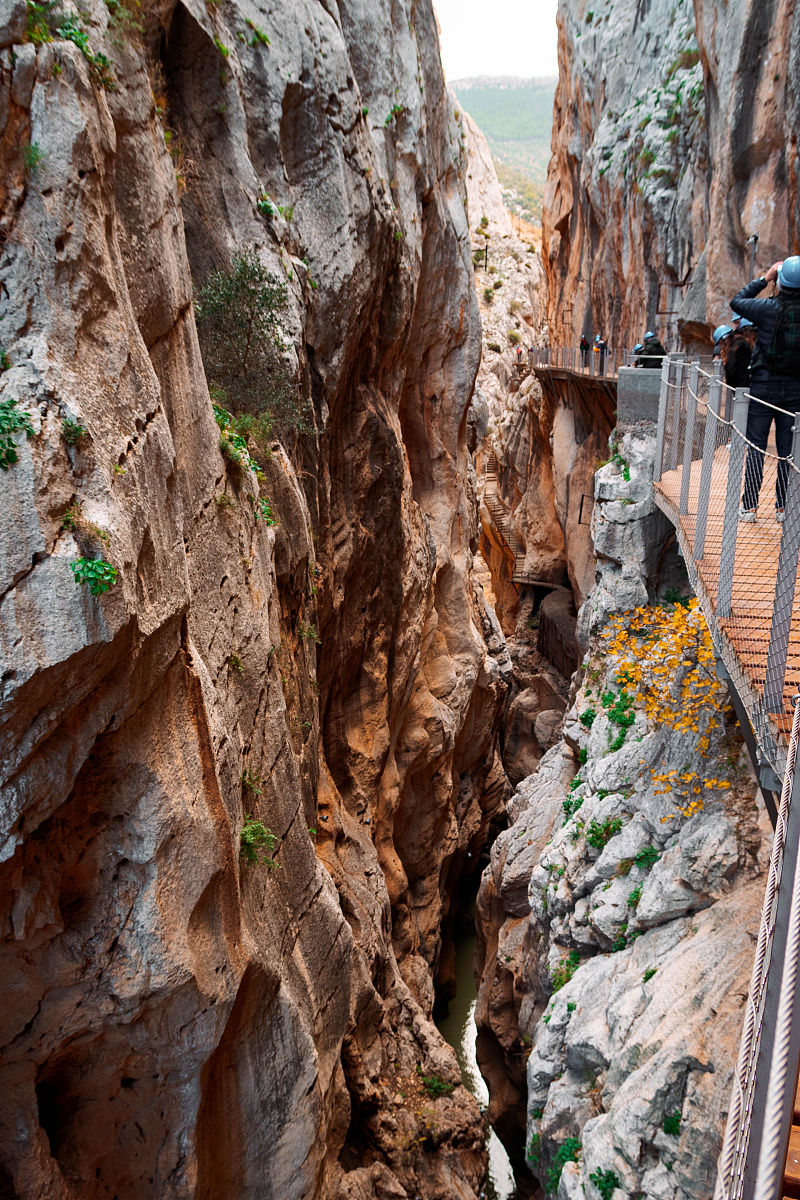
<point>516,117</point>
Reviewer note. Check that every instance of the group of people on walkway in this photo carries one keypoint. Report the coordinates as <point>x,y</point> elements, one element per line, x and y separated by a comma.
<point>599,349</point>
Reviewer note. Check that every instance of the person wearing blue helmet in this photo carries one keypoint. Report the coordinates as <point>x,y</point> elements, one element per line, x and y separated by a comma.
<point>653,352</point>
<point>734,350</point>
<point>774,376</point>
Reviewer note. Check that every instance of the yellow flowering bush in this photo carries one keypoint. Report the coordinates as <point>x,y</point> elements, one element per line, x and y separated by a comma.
<point>663,659</point>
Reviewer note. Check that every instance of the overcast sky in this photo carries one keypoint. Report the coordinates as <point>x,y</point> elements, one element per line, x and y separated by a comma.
<point>504,37</point>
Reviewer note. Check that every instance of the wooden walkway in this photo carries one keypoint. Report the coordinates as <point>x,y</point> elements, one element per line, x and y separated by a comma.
<point>748,627</point>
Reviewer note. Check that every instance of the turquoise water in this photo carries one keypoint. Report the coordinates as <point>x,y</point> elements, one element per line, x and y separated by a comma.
<point>459,1029</point>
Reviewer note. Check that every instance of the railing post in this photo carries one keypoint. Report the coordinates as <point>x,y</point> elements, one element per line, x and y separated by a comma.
<point>688,435</point>
<point>730,524</point>
<point>675,414</point>
<point>709,446</point>
<point>785,583</point>
<point>663,401</point>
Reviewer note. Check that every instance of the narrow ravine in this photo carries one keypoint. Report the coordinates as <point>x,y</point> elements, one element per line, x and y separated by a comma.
<point>460,1030</point>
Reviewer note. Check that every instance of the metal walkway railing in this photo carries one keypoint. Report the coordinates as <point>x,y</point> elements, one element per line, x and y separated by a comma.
<point>744,572</point>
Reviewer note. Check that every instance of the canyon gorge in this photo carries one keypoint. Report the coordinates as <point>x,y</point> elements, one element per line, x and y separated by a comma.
<point>279,696</point>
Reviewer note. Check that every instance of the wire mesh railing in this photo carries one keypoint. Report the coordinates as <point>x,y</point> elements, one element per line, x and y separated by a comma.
<point>735,500</point>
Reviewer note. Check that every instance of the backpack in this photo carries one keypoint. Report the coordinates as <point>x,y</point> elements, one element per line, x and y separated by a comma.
<point>783,356</point>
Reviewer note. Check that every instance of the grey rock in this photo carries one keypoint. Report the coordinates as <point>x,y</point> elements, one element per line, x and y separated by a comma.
<point>13,21</point>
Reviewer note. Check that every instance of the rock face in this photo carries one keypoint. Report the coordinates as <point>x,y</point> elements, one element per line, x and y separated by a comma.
<point>630,872</point>
<point>177,1022</point>
<point>673,143</point>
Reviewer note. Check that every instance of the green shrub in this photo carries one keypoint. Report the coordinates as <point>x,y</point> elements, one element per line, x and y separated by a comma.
<point>649,973</point>
<point>12,423</point>
<point>99,574</point>
<point>488,294</point>
<point>259,38</point>
<point>252,782</point>
<point>394,113</point>
<point>583,755</point>
<point>568,1151</point>
<point>514,337</point>
<point>599,833</point>
<point>236,662</point>
<point>307,632</point>
<point>71,30</point>
<point>587,718</point>
<point>31,157</point>
<point>434,1085</point>
<point>495,347</point>
<point>635,896</point>
<point>73,431</point>
<point>263,511</point>
<point>562,974</point>
<point>606,1183</point>
<point>534,1149</point>
<point>672,1123</point>
<point>257,844</point>
<point>647,857</point>
<point>571,805</point>
<point>240,312</point>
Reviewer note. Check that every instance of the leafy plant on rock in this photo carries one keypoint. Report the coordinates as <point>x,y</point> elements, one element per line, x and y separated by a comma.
<point>672,1123</point>
<point>606,1183</point>
<point>257,844</point>
<point>598,833</point>
<point>73,431</point>
<point>434,1085</point>
<point>96,572</point>
<point>568,1151</point>
<point>240,320</point>
<point>562,974</point>
<point>12,423</point>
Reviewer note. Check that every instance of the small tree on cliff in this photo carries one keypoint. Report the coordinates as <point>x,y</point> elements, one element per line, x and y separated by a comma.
<point>240,313</point>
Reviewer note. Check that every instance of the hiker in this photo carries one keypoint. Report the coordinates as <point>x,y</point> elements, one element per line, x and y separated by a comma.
<point>637,350</point>
<point>531,354</point>
<point>738,352</point>
<point>774,377</point>
<point>653,352</point>
<point>519,358</point>
<point>584,351</point>
<point>599,348</point>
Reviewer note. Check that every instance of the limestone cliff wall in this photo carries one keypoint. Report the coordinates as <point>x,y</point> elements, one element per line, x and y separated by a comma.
<point>176,1023</point>
<point>618,914</point>
<point>673,142</point>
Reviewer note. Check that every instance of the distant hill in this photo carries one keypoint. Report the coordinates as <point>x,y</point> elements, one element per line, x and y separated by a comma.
<point>516,116</point>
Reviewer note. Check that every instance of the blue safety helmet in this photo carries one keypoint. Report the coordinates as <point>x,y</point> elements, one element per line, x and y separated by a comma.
<point>638,347</point>
<point>722,331</point>
<point>789,272</point>
<point>743,322</point>
<point>649,334</point>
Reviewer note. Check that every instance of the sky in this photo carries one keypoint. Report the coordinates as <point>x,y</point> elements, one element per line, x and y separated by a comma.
<point>518,39</point>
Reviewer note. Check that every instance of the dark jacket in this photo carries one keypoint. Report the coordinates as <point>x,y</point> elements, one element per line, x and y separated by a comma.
<point>763,314</point>
<point>652,354</point>
<point>737,364</point>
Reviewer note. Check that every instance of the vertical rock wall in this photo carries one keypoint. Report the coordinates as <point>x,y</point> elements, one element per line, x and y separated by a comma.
<point>673,142</point>
<point>178,1023</point>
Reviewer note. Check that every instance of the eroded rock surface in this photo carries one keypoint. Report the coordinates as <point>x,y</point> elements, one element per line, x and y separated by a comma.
<point>176,1022</point>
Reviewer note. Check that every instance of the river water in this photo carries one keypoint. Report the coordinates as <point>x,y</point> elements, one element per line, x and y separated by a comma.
<point>459,1029</point>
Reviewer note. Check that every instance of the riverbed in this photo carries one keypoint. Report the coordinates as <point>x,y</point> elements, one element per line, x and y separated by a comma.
<point>459,1029</point>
